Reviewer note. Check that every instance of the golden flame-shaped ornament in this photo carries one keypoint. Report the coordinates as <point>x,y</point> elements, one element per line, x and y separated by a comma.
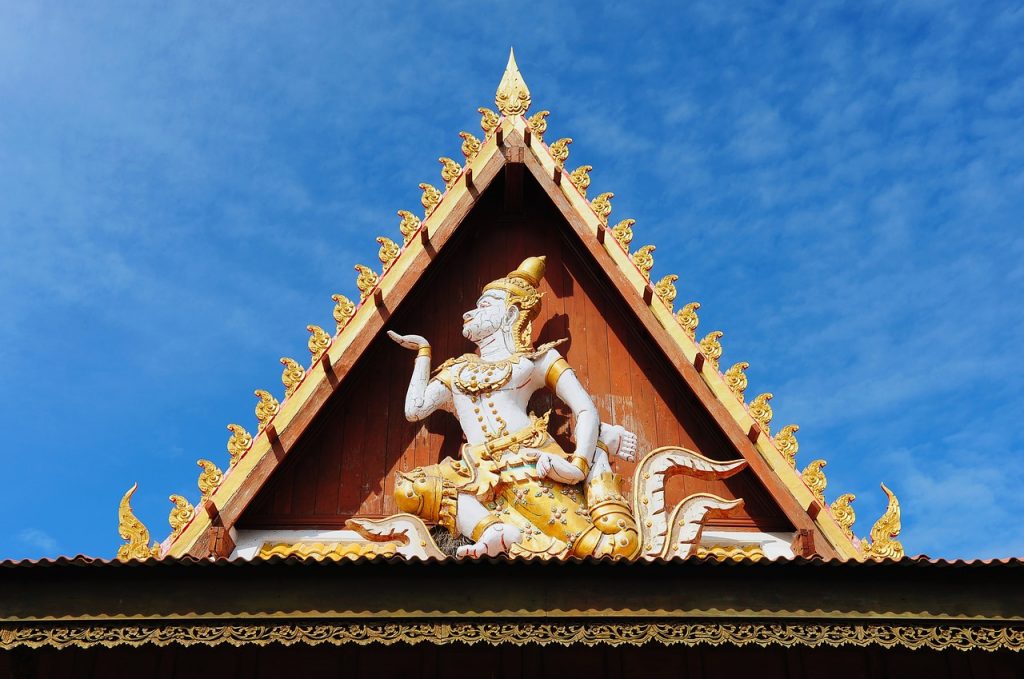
<point>602,206</point>
<point>180,515</point>
<point>786,443</point>
<point>842,512</point>
<point>409,225</point>
<point>736,378</point>
<point>488,121</point>
<point>430,198</point>
<point>239,442</point>
<point>666,289</point>
<point>711,347</point>
<point>513,96</point>
<point>318,342</point>
<point>884,544</point>
<point>291,376</point>
<point>580,178</point>
<point>366,281</point>
<point>762,412</point>
<point>209,479</point>
<point>470,145</point>
<point>266,407</point>
<point>450,172</point>
<point>388,252</point>
<point>623,233</point>
<point>133,532</point>
<point>815,479</point>
<point>644,260</point>
<point>559,150</point>
<point>344,310</point>
<point>688,319</point>
<point>538,125</point>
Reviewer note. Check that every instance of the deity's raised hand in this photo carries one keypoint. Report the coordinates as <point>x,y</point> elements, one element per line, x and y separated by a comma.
<point>413,342</point>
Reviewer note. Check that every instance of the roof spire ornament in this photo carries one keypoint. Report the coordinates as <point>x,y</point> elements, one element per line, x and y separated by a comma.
<point>884,544</point>
<point>513,96</point>
<point>209,479</point>
<point>180,515</point>
<point>133,532</point>
<point>687,318</point>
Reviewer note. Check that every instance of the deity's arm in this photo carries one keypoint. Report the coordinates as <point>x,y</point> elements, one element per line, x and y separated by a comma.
<point>562,380</point>
<point>425,395</point>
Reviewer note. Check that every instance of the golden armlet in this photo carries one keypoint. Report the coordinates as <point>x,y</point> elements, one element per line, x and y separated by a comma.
<point>554,372</point>
<point>580,463</point>
<point>423,351</point>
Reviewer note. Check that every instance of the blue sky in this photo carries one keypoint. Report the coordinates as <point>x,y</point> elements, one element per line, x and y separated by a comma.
<point>182,189</point>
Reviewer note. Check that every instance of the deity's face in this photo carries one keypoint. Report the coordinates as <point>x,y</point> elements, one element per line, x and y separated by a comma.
<point>490,316</point>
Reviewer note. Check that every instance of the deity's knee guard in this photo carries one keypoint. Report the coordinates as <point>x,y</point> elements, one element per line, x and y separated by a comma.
<point>614,532</point>
<point>429,493</point>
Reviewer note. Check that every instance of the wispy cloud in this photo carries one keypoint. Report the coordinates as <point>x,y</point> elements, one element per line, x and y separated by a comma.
<point>40,542</point>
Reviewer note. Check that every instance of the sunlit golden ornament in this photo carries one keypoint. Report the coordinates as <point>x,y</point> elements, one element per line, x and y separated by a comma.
<point>430,198</point>
<point>470,145</point>
<point>180,515</point>
<point>736,378</point>
<point>538,125</point>
<point>366,281</point>
<point>666,289</point>
<point>623,233</point>
<point>761,411</point>
<point>409,225</point>
<point>488,121</point>
<point>388,252</point>
<point>602,206</point>
<point>239,442</point>
<point>786,443</point>
<point>513,96</point>
<point>711,347</point>
<point>884,544</point>
<point>209,479</point>
<point>318,342</point>
<point>580,178</point>
<point>559,150</point>
<point>815,479</point>
<point>644,260</point>
<point>266,408</point>
<point>133,532</point>
<point>291,376</point>
<point>344,310</point>
<point>450,171</point>
<point>688,320</point>
<point>842,512</point>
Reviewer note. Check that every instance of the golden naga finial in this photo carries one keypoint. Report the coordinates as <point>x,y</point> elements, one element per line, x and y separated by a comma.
<point>884,544</point>
<point>513,96</point>
<point>366,281</point>
<point>318,342</point>
<point>239,442</point>
<point>470,145</point>
<point>711,347</point>
<point>538,126</point>
<point>291,376</point>
<point>688,320</point>
<point>344,310</point>
<point>431,197</point>
<point>559,150</point>
<point>736,378</point>
<point>842,512</point>
<point>815,479</point>
<point>488,120</point>
<point>602,206</point>
<point>761,411</point>
<point>666,289</point>
<point>409,225</point>
<point>786,443</point>
<point>623,233</point>
<point>450,171</point>
<point>388,252</point>
<point>266,408</point>
<point>644,260</point>
<point>133,532</point>
<point>180,515</point>
<point>580,178</point>
<point>209,479</point>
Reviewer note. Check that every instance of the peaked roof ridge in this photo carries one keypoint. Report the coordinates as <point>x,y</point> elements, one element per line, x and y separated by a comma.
<point>252,458</point>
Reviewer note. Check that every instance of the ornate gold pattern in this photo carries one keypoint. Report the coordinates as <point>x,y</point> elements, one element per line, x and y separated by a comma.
<point>513,96</point>
<point>470,145</point>
<point>602,206</point>
<point>623,233</point>
<point>688,320</point>
<point>388,252</point>
<point>409,225</point>
<point>332,551</point>
<point>239,442</point>
<point>266,408</point>
<point>209,479</point>
<point>450,171</point>
<point>181,513</point>
<point>366,281</point>
<point>344,310</point>
<point>761,411</point>
<point>291,376</point>
<point>736,378</point>
<point>319,341</point>
<point>559,150</point>
<point>711,347</point>
<point>815,479</point>
<point>732,552</point>
<point>666,289</point>
<point>884,544</point>
<point>580,178</point>
<point>488,120</point>
<point>842,512</point>
<point>786,443</point>
<point>133,532</point>
<point>538,125</point>
<point>430,198</point>
<point>644,260</point>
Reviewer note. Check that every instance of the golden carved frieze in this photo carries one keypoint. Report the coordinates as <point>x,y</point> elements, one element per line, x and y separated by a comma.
<point>209,479</point>
<point>761,411</point>
<point>181,513</point>
<point>842,512</point>
<point>366,281</point>
<point>786,443</point>
<point>409,225</point>
<point>331,551</point>
<point>736,379</point>
<point>538,124</point>
<point>388,252</point>
<point>266,407</point>
<point>623,233</point>
<point>711,347</point>
<point>344,310</point>
<point>602,206</point>
<point>488,120</point>
<point>732,552</point>
<point>814,477</point>
<point>665,289</point>
<point>239,442</point>
<point>430,198</point>
<point>318,343</point>
<point>643,259</point>
<point>688,319</point>
<point>559,150</point>
<point>450,171</point>
<point>291,376</point>
<point>580,178</point>
<point>470,146</point>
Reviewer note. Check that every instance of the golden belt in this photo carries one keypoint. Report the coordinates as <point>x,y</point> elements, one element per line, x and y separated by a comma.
<point>532,436</point>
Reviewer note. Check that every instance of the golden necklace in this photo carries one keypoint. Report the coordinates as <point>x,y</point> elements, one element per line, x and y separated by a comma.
<point>477,377</point>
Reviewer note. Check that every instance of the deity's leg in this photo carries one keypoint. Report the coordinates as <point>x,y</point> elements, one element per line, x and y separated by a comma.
<point>491,535</point>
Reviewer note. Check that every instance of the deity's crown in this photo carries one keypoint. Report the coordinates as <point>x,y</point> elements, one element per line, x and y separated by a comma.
<point>521,287</point>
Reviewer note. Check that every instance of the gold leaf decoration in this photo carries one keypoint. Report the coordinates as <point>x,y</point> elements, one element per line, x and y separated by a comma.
<point>666,289</point>
<point>470,145</point>
<point>133,532</point>
<point>602,206</point>
<point>736,378</point>
<point>644,260</point>
<point>344,310</point>
<point>430,198</point>
<point>266,408</point>
<point>180,515</point>
<point>884,544</point>
<point>291,376</point>
<point>450,171</point>
<point>761,411</point>
<point>209,479</point>
<point>538,124</point>
<point>580,178</point>
<point>388,252</point>
<point>786,443</point>
<point>488,121</point>
<point>318,342</point>
<point>239,442</point>
<point>711,347</point>
<point>513,96</point>
<point>842,512</point>
<point>366,281</point>
<point>688,320</point>
<point>815,479</point>
<point>559,150</point>
<point>623,233</point>
<point>409,225</point>
<point>735,553</point>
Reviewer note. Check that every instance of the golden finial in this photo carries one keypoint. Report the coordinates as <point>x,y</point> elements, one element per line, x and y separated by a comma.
<point>239,442</point>
<point>786,443</point>
<point>180,515</point>
<point>318,342</point>
<point>344,310</point>
<point>450,171</point>
<point>623,232</point>
<point>602,206</point>
<point>366,281</point>
<point>409,225</point>
<point>431,197</point>
<point>538,125</point>
<point>513,96</point>
<point>209,479</point>
<point>133,532</point>
<point>842,512</point>
<point>711,347</point>
<point>761,411</point>
<point>388,252</point>
<point>644,260</point>
<point>470,145</point>
<point>688,320</point>
<point>559,150</point>
<point>884,544</point>
<point>736,378</point>
<point>580,178</point>
<point>815,479</point>
<point>488,121</point>
<point>266,408</point>
<point>291,376</point>
<point>666,289</point>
